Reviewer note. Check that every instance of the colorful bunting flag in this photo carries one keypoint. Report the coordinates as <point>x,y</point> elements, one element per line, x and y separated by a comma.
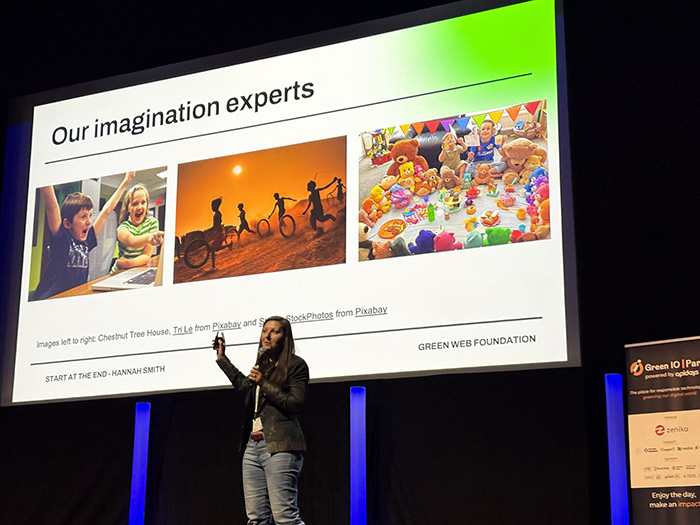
<point>479,119</point>
<point>447,124</point>
<point>496,116</point>
<point>532,107</point>
<point>513,112</point>
<point>432,125</point>
<point>463,123</point>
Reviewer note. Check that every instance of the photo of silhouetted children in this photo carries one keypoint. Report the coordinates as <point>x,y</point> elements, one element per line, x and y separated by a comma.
<point>295,181</point>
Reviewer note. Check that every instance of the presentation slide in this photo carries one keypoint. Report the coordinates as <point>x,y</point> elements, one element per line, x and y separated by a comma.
<point>399,198</point>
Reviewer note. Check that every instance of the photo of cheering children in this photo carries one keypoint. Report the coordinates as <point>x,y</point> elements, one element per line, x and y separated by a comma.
<point>88,229</point>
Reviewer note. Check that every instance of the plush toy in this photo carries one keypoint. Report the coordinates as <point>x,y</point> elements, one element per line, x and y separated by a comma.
<point>388,181</point>
<point>474,239</point>
<point>433,179</point>
<point>364,218</point>
<point>541,232</point>
<point>398,247</point>
<point>407,176</point>
<point>365,243</point>
<point>382,249</point>
<point>449,180</point>
<point>378,195</point>
<point>541,194</point>
<point>423,244</point>
<point>403,151</point>
<point>422,188</point>
<point>531,164</point>
<point>483,174</point>
<point>497,235</point>
<point>515,153</point>
<point>368,212</point>
<point>543,211</point>
<point>445,242</point>
<point>539,174</point>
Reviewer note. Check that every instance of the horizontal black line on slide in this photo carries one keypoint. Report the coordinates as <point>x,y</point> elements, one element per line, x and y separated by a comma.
<point>329,112</point>
<point>347,334</point>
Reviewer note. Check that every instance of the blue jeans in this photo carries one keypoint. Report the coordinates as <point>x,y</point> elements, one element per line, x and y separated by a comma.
<point>270,485</point>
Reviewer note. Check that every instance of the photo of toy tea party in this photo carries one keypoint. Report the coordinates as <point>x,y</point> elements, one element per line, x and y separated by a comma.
<point>468,181</point>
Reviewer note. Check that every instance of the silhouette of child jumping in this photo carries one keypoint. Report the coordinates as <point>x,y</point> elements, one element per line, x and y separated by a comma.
<point>317,214</point>
<point>279,205</point>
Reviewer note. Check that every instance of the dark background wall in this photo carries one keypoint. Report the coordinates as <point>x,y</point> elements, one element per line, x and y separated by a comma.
<point>502,448</point>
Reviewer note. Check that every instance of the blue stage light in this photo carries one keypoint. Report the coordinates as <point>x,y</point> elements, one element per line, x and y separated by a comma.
<point>617,450</point>
<point>137,505</point>
<point>358,457</point>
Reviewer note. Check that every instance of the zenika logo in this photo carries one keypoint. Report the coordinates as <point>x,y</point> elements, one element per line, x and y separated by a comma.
<point>637,368</point>
<point>660,430</point>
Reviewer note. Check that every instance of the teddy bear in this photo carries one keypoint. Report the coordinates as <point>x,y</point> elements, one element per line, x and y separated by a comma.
<point>402,151</point>
<point>378,195</point>
<point>541,193</point>
<point>541,232</point>
<point>398,247</point>
<point>423,188</point>
<point>531,164</point>
<point>474,239</point>
<point>368,213</point>
<point>445,242</point>
<point>407,176</point>
<point>381,249</point>
<point>497,235</point>
<point>515,153</point>
<point>423,244</point>
<point>388,181</point>
<point>449,179</point>
<point>483,174</point>
<point>365,244</point>
<point>543,212</point>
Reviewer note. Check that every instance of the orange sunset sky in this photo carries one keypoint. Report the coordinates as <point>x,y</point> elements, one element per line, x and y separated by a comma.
<point>285,170</point>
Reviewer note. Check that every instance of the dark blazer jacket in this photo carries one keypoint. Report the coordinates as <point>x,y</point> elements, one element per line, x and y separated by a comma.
<point>279,407</point>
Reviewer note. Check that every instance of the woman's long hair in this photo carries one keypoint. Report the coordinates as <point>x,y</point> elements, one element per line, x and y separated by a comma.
<point>278,374</point>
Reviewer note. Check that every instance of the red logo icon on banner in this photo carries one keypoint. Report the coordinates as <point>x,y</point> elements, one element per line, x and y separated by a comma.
<point>637,368</point>
<point>659,430</point>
